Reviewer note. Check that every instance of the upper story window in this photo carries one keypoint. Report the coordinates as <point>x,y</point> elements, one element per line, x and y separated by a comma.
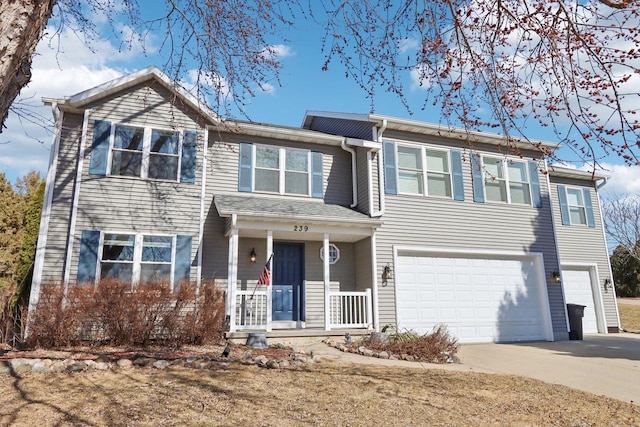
<point>123,150</point>
<point>506,180</point>
<point>145,152</point>
<point>417,165</point>
<point>280,170</point>
<point>577,211</point>
<point>134,258</point>
<point>576,207</point>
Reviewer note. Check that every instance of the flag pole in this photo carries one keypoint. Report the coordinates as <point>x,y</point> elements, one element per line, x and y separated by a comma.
<point>266,266</point>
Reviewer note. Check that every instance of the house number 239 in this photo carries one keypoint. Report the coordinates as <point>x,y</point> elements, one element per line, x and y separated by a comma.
<point>300,228</point>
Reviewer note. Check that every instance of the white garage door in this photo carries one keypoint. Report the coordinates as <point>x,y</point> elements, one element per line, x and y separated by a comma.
<point>578,290</point>
<point>479,299</point>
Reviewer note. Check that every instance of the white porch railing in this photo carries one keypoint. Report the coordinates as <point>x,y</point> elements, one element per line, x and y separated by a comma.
<point>251,309</point>
<point>350,310</point>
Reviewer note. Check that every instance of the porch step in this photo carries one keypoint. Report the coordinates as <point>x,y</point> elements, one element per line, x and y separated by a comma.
<point>293,337</point>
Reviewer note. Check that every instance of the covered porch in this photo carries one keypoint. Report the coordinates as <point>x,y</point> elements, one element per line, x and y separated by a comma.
<point>319,259</point>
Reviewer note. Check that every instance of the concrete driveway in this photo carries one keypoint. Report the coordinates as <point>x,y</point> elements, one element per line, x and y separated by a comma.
<point>606,365</point>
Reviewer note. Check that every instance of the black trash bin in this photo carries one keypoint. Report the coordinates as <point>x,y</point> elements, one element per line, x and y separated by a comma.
<point>576,313</point>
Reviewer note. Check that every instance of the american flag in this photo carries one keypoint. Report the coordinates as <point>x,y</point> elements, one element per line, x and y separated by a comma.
<point>265,276</point>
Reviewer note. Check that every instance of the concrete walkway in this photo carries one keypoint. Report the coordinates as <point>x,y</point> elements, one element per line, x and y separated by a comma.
<point>607,365</point>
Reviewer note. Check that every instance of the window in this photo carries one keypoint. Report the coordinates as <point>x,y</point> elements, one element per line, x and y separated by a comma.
<point>506,181</point>
<point>145,152</point>
<point>135,258</point>
<point>417,164</point>
<point>334,253</point>
<point>282,170</point>
<point>123,150</point>
<point>575,202</point>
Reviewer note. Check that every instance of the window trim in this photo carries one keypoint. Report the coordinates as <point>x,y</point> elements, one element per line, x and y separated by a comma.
<point>331,246</point>
<point>425,171</point>
<point>580,191</point>
<point>282,169</point>
<point>137,262</point>
<point>146,151</point>
<point>507,179</point>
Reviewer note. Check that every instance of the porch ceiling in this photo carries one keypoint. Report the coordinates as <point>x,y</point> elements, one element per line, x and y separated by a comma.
<point>293,219</point>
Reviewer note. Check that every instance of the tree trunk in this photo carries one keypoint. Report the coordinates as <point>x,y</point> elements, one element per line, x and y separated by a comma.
<point>21,25</point>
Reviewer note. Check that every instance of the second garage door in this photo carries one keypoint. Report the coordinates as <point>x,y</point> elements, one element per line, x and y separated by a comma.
<point>480,299</point>
<point>578,290</point>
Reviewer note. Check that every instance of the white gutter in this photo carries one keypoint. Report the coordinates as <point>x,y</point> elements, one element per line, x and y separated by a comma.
<point>354,174</point>
<point>38,266</point>
<point>380,212</point>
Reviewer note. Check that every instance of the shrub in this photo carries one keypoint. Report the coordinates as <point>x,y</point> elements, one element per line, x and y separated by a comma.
<point>111,313</point>
<point>439,346</point>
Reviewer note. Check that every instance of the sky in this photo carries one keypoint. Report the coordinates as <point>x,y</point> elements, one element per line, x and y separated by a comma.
<point>64,66</point>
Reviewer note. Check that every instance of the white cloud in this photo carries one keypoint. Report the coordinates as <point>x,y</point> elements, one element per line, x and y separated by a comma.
<point>277,51</point>
<point>62,66</point>
<point>407,44</point>
<point>267,88</point>
<point>625,180</point>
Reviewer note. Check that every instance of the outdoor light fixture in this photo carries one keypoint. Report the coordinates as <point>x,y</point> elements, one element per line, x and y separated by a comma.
<point>386,273</point>
<point>607,284</point>
<point>556,276</point>
<point>252,256</point>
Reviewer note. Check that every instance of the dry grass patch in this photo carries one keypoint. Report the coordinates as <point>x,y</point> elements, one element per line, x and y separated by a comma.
<point>329,393</point>
<point>630,317</point>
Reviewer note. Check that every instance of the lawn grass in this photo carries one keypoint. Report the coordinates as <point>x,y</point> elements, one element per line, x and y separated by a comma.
<point>629,317</point>
<point>325,393</point>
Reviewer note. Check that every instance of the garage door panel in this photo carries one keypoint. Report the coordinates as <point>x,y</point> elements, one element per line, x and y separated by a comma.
<point>480,300</point>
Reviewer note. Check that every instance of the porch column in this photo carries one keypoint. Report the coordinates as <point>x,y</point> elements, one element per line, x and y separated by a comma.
<point>327,285</point>
<point>374,282</point>
<point>232,278</point>
<point>269,292</point>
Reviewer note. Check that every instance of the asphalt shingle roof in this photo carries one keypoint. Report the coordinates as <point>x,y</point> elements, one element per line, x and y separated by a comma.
<point>283,208</point>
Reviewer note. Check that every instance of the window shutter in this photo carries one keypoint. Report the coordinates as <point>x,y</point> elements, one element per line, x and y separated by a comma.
<point>478,178</point>
<point>456,175</point>
<point>317,178</point>
<point>100,147</point>
<point>564,206</point>
<point>88,259</point>
<point>182,264</point>
<point>588,207</point>
<point>390,179</point>
<point>534,180</point>
<point>245,168</point>
<point>189,156</point>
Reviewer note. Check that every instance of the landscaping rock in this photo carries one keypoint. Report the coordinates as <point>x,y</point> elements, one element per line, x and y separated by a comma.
<point>124,363</point>
<point>19,362</point>
<point>285,364</point>
<point>102,366</point>
<point>144,361</point>
<point>77,367</point>
<point>58,366</point>
<point>273,364</point>
<point>261,360</point>
<point>383,355</point>
<point>40,367</point>
<point>160,364</point>
<point>247,359</point>
<point>22,369</point>
<point>5,368</point>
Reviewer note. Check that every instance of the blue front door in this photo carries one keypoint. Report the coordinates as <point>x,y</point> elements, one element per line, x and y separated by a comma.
<point>288,274</point>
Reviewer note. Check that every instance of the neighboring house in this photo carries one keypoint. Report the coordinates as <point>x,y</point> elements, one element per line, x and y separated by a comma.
<point>371,220</point>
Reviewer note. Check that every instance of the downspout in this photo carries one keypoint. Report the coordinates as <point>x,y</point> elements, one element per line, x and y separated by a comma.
<point>604,237</point>
<point>380,212</point>
<point>354,175</point>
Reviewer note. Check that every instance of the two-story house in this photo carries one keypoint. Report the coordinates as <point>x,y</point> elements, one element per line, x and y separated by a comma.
<point>362,220</point>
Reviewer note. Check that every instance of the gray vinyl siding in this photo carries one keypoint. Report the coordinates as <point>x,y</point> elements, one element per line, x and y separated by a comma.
<point>375,180</point>
<point>223,158</point>
<point>363,181</point>
<point>582,244</point>
<point>134,205</point>
<point>61,205</point>
<point>465,225</point>
<point>362,256</point>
